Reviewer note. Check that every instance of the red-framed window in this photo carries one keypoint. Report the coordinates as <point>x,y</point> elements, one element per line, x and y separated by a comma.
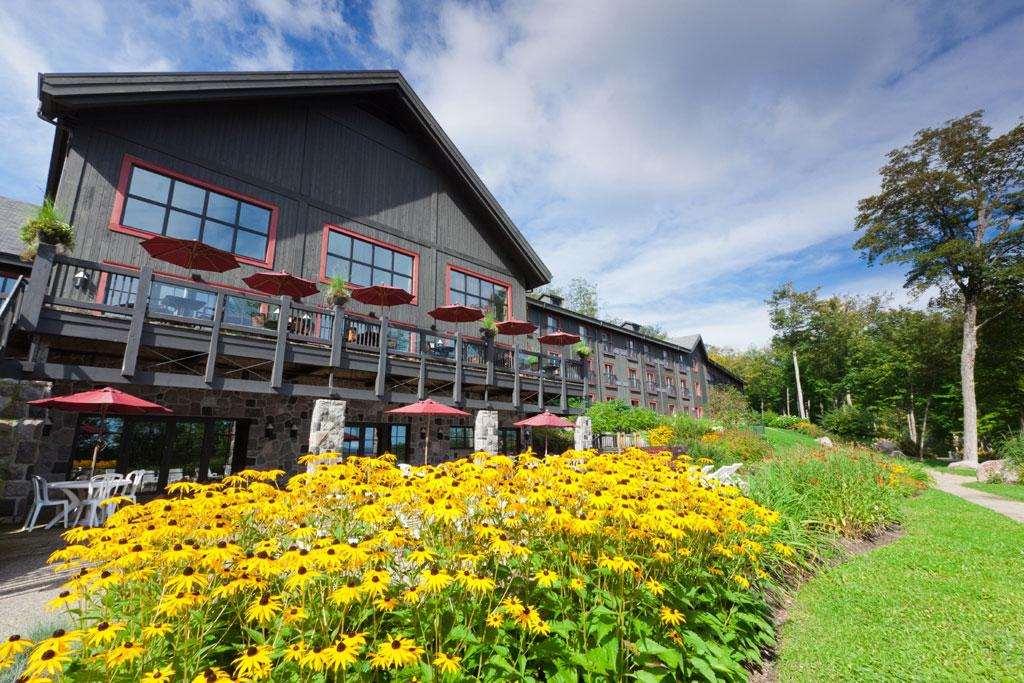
<point>635,403</point>
<point>153,200</point>
<point>654,406</point>
<point>364,260</point>
<point>7,280</point>
<point>671,409</point>
<point>470,288</point>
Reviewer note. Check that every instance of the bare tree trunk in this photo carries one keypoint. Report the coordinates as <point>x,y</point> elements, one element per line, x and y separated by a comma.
<point>799,389</point>
<point>911,419</point>
<point>849,399</point>
<point>787,402</point>
<point>967,355</point>
<point>924,428</point>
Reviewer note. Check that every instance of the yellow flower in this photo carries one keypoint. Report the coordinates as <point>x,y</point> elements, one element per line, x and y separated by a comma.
<point>254,662</point>
<point>295,652</point>
<point>741,581</point>
<point>264,609</point>
<point>340,655</point>
<point>671,617</point>
<point>155,631</point>
<point>346,594</point>
<point>316,658</point>
<point>45,662</point>
<point>375,582</point>
<point>396,652</point>
<point>103,633</point>
<point>294,615</point>
<point>577,584</point>
<point>495,619</point>
<point>212,674</point>
<point>434,580</point>
<point>654,587</point>
<point>12,647</point>
<point>158,675</point>
<point>124,653</point>
<point>545,578</point>
<point>422,555</point>
<point>447,664</point>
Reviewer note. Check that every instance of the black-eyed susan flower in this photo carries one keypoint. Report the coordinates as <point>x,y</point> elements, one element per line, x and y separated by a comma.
<point>264,609</point>
<point>45,662</point>
<point>447,664</point>
<point>670,616</point>
<point>546,578</point>
<point>434,580</point>
<point>253,662</point>
<point>11,648</point>
<point>124,653</point>
<point>396,652</point>
<point>160,675</point>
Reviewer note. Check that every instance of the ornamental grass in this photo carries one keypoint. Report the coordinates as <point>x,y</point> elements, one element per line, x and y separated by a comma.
<point>573,567</point>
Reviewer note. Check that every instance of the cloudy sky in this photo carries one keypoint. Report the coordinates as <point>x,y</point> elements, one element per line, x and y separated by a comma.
<point>685,156</point>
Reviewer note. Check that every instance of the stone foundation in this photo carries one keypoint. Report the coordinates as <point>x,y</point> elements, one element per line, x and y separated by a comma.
<point>485,431</point>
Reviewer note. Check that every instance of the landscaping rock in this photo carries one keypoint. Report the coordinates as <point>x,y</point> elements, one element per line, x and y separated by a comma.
<point>997,470</point>
<point>826,442</point>
<point>886,446</point>
<point>897,453</point>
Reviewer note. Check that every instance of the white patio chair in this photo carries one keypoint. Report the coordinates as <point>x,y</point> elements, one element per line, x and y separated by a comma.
<point>99,490</point>
<point>40,500</point>
<point>135,478</point>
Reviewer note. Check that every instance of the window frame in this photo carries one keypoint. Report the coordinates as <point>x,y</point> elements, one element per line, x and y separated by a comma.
<point>509,314</point>
<point>354,234</point>
<point>121,196</point>
<point>467,434</point>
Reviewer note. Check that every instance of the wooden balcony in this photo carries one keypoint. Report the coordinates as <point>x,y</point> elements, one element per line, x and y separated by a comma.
<point>181,333</point>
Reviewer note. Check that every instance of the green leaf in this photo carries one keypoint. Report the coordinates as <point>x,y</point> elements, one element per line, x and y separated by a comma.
<point>651,677</point>
<point>702,667</point>
<point>461,634</point>
<point>670,657</point>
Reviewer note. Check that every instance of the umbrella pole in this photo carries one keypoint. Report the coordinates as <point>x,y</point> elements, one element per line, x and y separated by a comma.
<point>426,443</point>
<point>99,440</point>
<point>545,444</point>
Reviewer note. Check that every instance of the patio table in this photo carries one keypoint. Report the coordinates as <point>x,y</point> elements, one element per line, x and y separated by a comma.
<point>71,489</point>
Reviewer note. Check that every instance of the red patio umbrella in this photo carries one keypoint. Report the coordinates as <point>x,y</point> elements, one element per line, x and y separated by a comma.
<point>545,419</point>
<point>281,283</point>
<point>559,338</point>
<point>381,295</point>
<point>190,254</point>
<point>457,313</point>
<point>105,401</point>
<point>513,327</point>
<point>430,408</point>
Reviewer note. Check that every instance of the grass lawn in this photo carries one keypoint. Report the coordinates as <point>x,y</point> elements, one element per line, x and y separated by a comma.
<point>943,465</point>
<point>945,602</point>
<point>1011,491</point>
<point>785,440</point>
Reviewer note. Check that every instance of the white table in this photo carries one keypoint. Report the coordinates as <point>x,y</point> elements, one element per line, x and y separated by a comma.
<point>71,489</point>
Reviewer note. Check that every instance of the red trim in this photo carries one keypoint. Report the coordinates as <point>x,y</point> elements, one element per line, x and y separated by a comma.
<point>101,287</point>
<point>331,227</point>
<point>176,276</point>
<point>509,313</point>
<point>130,161</point>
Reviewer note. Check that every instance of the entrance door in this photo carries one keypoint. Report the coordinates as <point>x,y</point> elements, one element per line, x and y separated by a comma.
<point>376,439</point>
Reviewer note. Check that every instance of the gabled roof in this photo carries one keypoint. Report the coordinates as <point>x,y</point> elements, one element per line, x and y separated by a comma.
<point>689,342</point>
<point>62,94</point>
<point>13,214</point>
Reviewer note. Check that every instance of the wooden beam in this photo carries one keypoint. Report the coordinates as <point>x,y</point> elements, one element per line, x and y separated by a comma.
<point>489,341</point>
<point>131,345</point>
<point>457,384</point>
<point>540,382</point>
<point>517,400</point>
<point>35,290</point>
<point>281,346</point>
<point>211,357</point>
<point>337,335</point>
<point>563,401</point>
<point>380,385</point>
<point>421,384</point>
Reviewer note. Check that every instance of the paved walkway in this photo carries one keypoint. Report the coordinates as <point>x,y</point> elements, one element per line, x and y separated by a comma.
<point>954,483</point>
<point>26,582</point>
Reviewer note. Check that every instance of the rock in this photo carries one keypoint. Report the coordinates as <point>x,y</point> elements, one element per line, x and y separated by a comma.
<point>583,434</point>
<point>999,471</point>
<point>886,446</point>
<point>826,442</point>
<point>896,453</point>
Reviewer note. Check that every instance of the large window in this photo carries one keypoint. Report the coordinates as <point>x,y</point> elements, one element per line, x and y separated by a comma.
<point>472,290</point>
<point>461,437</point>
<point>165,204</point>
<point>7,283</point>
<point>364,262</point>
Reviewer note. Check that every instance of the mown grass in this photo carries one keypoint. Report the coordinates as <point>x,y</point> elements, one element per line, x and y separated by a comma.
<point>1008,491</point>
<point>785,441</point>
<point>945,602</point>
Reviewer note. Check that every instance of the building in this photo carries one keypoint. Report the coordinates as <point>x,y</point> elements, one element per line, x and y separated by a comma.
<point>318,174</point>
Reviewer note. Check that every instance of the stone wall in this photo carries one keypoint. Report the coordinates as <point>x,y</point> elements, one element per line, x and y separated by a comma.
<point>21,435</point>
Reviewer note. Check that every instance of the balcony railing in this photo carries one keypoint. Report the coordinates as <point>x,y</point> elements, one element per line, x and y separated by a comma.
<point>610,380</point>
<point>634,383</point>
<point>652,387</point>
<point>112,293</point>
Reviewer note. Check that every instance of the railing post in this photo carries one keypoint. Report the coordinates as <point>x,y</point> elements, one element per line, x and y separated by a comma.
<point>585,371</point>
<point>457,385</point>
<point>283,313</point>
<point>563,399</point>
<point>337,335</point>
<point>379,386</point>
<point>540,381</point>
<point>131,345</point>
<point>490,350</point>
<point>211,356</point>
<point>35,290</point>
<point>421,384</point>
<point>516,386</point>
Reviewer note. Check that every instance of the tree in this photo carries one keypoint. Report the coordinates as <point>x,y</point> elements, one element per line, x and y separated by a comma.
<point>581,296</point>
<point>951,207</point>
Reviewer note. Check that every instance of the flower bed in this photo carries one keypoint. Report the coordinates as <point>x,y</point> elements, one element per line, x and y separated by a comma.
<point>572,566</point>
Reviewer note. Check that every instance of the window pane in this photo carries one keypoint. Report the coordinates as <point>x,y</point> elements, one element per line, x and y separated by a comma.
<point>188,197</point>
<point>486,290</point>
<point>403,282</point>
<point>143,215</point>
<point>382,257</point>
<point>381,277</point>
<point>218,235</point>
<point>183,225</point>
<point>458,281</point>
<point>458,297</point>
<point>339,245</point>
<point>336,266</point>
<point>254,217</point>
<point>362,251</point>
<point>150,185</point>
<point>251,245</point>
<point>222,208</point>
<point>361,275</point>
<point>403,264</point>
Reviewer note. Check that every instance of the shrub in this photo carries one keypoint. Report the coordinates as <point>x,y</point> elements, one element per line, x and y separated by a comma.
<point>728,406</point>
<point>688,428</point>
<point>780,421</point>
<point>615,416</point>
<point>809,428</point>
<point>604,567</point>
<point>850,422</point>
<point>48,226</point>
<point>1012,450</point>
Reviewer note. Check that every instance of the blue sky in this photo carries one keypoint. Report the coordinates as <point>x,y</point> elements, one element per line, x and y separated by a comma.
<point>687,157</point>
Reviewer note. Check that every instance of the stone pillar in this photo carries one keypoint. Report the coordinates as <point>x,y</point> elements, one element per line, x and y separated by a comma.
<point>326,427</point>
<point>21,441</point>
<point>485,431</point>
<point>583,435</point>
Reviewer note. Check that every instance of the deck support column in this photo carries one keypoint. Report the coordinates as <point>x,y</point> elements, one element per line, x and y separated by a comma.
<point>421,383</point>
<point>563,400</point>
<point>457,385</point>
<point>36,287</point>
<point>337,335</point>
<point>380,385</point>
<point>211,356</point>
<point>516,383</point>
<point>131,345</point>
<point>281,347</point>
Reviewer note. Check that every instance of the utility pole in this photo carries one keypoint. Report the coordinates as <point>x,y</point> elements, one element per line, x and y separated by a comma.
<point>799,389</point>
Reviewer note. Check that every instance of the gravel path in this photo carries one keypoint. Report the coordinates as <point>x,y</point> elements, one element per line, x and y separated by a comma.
<point>954,483</point>
<point>26,582</point>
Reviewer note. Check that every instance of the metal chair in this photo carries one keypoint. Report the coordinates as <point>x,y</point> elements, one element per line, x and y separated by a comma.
<point>40,500</point>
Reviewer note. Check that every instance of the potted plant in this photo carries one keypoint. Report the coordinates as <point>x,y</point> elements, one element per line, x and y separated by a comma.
<point>582,350</point>
<point>489,326</point>
<point>47,226</point>
<point>338,290</point>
